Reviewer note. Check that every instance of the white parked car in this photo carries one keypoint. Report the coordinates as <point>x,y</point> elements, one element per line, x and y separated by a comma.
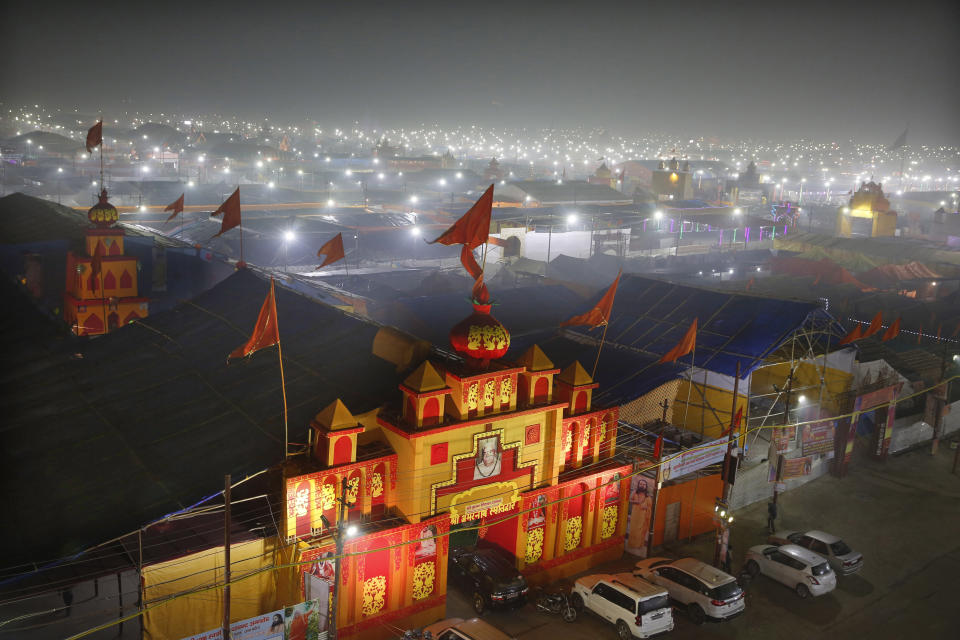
<point>842,558</point>
<point>704,591</point>
<point>460,629</point>
<point>802,570</point>
<point>636,607</point>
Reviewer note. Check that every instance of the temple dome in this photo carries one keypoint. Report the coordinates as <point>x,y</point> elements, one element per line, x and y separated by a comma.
<point>103,214</point>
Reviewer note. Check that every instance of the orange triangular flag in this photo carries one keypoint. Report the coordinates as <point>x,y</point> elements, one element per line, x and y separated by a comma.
<point>231,213</point>
<point>892,331</point>
<point>749,284</point>
<point>473,228</point>
<point>875,325</point>
<point>817,280</point>
<point>600,314</point>
<point>266,332</point>
<point>736,422</point>
<point>176,207</point>
<point>685,346</point>
<point>333,250</point>
<point>95,136</point>
<point>658,448</point>
<point>853,336</point>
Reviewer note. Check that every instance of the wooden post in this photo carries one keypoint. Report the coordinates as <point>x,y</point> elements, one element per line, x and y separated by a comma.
<point>226,557</point>
<point>723,538</point>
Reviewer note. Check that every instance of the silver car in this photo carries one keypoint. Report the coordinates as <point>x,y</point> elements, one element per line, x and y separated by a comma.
<point>844,560</point>
<point>802,570</point>
<point>704,591</point>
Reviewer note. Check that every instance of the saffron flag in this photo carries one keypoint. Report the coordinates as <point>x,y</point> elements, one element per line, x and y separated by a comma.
<point>749,284</point>
<point>95,136</point>
<point>901,141</point>
<point>473,228</point>
<point>96,264</point>
<point>687,344</point>
<point>266,333</point>
<point>736,422</point>
<point>231,213</point>
<point>892,331</point>
<point>817,280</point>
<point>875,325</point>
<point>600,314</point>
<point>176,207</point>
<point>333,250</point>
<point>853,336</point>
<point>658,448</point>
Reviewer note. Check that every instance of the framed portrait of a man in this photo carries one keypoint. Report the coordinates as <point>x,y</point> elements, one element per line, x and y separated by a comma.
<point>489,456</point>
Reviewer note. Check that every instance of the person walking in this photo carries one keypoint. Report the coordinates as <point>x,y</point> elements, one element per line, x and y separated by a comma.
<point>771,515</point>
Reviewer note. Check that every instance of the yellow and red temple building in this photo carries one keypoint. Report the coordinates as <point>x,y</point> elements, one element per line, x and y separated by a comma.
<point>476,452</point>
<point>98,304</point>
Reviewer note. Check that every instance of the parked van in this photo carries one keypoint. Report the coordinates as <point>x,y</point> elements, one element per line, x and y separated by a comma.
<point>636,607</point>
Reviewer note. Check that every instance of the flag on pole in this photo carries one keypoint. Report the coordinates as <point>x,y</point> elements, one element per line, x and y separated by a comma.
<point>472,230</point>
<point>901,141</point>
<point>96,265</point>
<point>892,331</point>
<point>176,207</point>
<point>600,314</point>
<point>333,250</point>
<point>231,213</point>
<point>658,447</point>
<point>875,325</point>
<point>687,344</point>
<point>853,336</point>
<point>265,333</point>
<point>736,422</point>
<point>749,284</point>
<point>95,136</point>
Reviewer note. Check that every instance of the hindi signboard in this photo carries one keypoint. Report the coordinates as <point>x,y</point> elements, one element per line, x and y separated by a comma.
<point>818,437</point>
<point>696,458</point>
<point>797,467</point>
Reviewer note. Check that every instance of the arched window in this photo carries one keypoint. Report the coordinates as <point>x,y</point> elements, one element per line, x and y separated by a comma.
<point>541,390</point>
<point>431,411</point>
<point>343,450</point>
<point>580,403</point>
<point>126,280</point>
<point>109,281</point>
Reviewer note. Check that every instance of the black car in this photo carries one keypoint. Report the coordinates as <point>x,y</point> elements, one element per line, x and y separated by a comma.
<point>488,578</point>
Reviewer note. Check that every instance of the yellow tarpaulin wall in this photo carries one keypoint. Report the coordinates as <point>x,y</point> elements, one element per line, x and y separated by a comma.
<point>806,381</point>
<point>192,614</point>
<point>711,417</point>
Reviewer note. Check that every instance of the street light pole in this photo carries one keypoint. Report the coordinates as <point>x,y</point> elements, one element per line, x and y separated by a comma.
<point>332,626</point>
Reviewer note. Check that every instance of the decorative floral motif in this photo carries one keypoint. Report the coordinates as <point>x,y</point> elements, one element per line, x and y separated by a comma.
<point>473,396</point>
<point>506,387</point>
<point>327,497</point>
<point>488,393</point>
<point>608,525</point>
<point>374,595</point>
<point>301,503</point>
<point>571,533</point>
<point>534,545</point>
<point>376,485</point>
<point>602,431</point>
<point>353,488</point>
<point>568,440</point>
<point>423,578</point>
<point>586,437</point>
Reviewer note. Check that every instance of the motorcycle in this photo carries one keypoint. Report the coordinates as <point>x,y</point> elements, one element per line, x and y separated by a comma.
<point>556,603</point>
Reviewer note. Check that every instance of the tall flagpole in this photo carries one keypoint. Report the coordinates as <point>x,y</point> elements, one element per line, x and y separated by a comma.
<point>283,382</point>
<point>245,264</point>
<point>102,185</point>
<point>103,300</point>
<point>597,361</point>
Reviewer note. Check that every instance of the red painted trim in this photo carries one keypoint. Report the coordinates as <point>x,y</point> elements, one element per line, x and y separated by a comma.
<point>336,432</point>
<point>545,372</point>
<point>577,387</point>
<point>488,374</point>
<point>424,394</point>
<point>70,299</point>
<point>490,417</point>
<point>613,541</point>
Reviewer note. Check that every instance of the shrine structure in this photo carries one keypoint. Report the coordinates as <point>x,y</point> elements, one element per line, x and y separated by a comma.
<point>97,303</point>
<point>473,451</point>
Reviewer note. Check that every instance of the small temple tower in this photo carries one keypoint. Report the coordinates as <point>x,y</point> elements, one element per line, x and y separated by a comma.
<point>671,182</point>
<point>536,379</point>
<point>868,202</point>
<point>575,388</point>
<point>95,305</point>
<point>335,435</point>
<point>603,176</point>
<point>425,394</point>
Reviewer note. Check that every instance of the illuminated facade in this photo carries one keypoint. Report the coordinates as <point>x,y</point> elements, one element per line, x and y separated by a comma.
<point>870,203</point>
<point>511,455</point>
<point>672,182</point>
<point>95,305</point>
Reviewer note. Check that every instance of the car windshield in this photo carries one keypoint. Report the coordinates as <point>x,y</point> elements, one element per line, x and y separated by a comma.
<point>821,569</point>
<point>726,591</point>
<point>652,604</point>
<point>840,548</point>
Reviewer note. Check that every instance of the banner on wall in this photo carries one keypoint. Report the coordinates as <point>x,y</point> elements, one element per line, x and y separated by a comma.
<point>483,501</point>
<point>696,458</point>
<point>818,437</point>
<point>781,439</point>
<point>797,467</point>
<point>299,622</point>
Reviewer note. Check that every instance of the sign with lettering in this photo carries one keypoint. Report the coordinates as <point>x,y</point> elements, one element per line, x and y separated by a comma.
<point>480,502</point>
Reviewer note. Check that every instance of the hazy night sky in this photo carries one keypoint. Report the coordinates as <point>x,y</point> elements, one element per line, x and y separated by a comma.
<point>810,69</point>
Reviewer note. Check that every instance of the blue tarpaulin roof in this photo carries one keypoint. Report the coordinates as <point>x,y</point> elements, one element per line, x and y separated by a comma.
<point>651,317</point>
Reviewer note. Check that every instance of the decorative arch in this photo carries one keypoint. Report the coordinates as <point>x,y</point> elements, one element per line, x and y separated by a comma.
<point>355,495</point>
<point>570,433</point>
<point>580,402</point>
<point>431,411</point>
<point>93,284</point>
<point>378,489</point>
<point>109,281</point>
<point>114,247</point>
<point>131,317</point>
<point>541,390</point>
<point>343,450</point>
<point>574,534</point>
<point>91,324</point>
<point>126,280</point>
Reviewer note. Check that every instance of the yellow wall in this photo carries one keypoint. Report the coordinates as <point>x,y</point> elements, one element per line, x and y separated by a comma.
<point>185,616</point>
<point>709,418</point>
<point>806,374</point>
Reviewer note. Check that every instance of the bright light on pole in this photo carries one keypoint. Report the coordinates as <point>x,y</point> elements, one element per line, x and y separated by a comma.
<point>572,219</point>
<point>415,231</point>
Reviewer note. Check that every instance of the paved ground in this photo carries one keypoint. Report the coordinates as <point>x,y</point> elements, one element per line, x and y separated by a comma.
<point>903,515</point>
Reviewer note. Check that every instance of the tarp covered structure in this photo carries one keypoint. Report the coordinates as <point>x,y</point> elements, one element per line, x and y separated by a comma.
<point>115,432</point>
<point>861,254</point>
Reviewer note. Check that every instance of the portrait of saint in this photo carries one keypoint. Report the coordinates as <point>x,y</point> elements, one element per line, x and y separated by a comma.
<point>489,454</point>
<point>641,502</point>
<point>427,546</point>
<point>538,516</point>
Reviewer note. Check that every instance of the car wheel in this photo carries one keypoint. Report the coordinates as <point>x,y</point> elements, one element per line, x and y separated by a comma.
<point>803,591</point>
<point>577,601</point>
<point>623,630</point>
<point>697,616</point>
<point>479,604</point>
<point>753,569</point>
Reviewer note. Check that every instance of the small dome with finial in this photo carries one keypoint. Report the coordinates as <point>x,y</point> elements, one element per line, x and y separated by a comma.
<point>480,337</point>
<point>103,214</point>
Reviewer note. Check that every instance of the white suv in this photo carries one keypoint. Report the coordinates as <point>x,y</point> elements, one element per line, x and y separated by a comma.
<point>704,590</point>
<point>635,606</point>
